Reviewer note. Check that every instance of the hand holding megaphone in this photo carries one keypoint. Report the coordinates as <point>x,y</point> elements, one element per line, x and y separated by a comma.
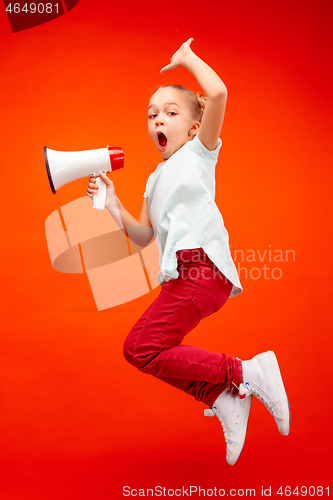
<point>67,166</point>
<point>103,182</point>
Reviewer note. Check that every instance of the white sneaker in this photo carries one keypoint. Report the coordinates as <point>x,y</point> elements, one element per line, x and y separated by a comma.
<point>233,413</point>
<point>262,378</point>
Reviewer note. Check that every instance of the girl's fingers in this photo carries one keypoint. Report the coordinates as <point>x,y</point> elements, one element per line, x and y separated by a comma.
<point>166,68</point>
<point>92,187</point>
<point>176,55</point>
<point>106,179</point>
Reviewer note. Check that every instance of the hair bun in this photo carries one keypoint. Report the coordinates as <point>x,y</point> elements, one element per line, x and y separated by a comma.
<point>201,101</point>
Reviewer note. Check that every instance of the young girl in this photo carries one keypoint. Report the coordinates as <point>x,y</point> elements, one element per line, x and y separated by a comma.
<point>197,272</point>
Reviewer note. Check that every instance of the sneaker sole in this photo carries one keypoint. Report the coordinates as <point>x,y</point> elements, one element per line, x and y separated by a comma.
<point>285,408</point>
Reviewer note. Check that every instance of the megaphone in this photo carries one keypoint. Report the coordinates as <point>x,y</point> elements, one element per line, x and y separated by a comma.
<point>67,166</point>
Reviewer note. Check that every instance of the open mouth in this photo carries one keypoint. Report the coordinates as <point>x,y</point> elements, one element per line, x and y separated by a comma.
<point>162,141</point>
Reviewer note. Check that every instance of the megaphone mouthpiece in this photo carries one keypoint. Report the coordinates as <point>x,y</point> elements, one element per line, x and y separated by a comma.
<point>116,156</point>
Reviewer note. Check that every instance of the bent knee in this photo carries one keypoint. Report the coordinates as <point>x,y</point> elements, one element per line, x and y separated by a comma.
<point>128,350</point>
<point>138,354</point>
<point>135,357</point>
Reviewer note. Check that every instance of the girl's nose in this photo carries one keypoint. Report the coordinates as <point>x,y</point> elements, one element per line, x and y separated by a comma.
<point>159,121</point>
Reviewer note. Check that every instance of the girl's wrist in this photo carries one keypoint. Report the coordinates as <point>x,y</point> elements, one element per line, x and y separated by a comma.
<point>189,61</point>
<point>112,204</point>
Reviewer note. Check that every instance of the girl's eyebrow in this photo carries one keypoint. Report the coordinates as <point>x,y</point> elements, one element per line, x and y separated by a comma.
<point>165,104</point>
<point>171,103</point>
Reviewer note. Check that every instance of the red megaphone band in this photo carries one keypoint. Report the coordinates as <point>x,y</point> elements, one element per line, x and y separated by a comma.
<point>116,157</point>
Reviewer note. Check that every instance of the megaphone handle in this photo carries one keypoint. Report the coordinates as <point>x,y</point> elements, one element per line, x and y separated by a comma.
<point>100,197</point>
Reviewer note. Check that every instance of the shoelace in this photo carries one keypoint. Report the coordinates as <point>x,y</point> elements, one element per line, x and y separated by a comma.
<point>243,389</point>
<point>246,390</point>
<point>214,412</point>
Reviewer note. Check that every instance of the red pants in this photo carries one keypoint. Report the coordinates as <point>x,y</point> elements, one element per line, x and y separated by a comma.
<point>153,344</point>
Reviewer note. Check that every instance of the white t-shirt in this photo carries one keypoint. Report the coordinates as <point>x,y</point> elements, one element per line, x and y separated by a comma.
<point>180,195</point>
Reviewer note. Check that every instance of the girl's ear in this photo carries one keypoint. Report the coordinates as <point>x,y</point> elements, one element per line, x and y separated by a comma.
<point>194,129</point>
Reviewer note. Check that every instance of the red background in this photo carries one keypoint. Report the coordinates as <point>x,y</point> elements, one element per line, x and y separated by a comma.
<point>77,421</point>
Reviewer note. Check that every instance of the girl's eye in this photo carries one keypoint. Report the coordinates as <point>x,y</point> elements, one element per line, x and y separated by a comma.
<point>172,113</point>
<point>153,115</point>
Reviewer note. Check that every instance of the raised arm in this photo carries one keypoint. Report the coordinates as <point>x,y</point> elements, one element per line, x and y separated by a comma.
<point>212,86</point>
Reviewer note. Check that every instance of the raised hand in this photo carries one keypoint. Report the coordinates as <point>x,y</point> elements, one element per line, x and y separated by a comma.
<point>179,57</point>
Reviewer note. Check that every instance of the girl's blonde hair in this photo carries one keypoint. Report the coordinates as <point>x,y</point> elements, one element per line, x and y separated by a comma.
<point>196,101</point>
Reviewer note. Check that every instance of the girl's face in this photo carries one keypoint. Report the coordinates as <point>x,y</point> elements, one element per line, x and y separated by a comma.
<point>170,121</point>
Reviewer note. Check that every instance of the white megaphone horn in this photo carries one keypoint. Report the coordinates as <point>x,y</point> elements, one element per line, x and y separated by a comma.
<point>67,166</point>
